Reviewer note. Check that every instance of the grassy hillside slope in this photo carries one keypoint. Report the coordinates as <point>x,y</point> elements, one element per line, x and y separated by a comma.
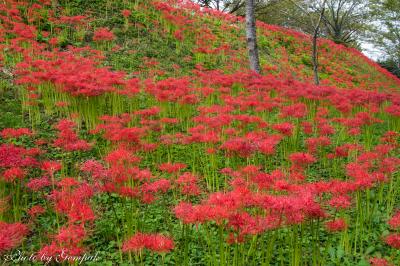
<point>134,130</point>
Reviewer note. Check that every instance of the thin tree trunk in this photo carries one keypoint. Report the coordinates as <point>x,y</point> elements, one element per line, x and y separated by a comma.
<point>251,35</point>
<point>315,57</point>
<point>315,45</point>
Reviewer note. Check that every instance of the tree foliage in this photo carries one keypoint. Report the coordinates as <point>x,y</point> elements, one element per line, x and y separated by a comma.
<point>345,20</point>
<point>386,32</point>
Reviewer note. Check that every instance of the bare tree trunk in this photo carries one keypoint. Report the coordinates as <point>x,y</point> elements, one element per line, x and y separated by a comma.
<point>315,45</point>
<point>251,35</point>
<point>315,57</point>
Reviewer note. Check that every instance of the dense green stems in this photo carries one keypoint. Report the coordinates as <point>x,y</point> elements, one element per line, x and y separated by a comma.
<point>295,250</point>
<point>117,228</point>
<point>222,258</point>
<point>252,249</point>
<point>16,201</point>
<point>211,249</point>
<point>185,250</point>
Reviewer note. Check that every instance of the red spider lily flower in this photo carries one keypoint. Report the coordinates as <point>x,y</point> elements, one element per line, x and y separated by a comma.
<point>14,173</point>
<point>36,211</point>
<point>187,182</point>
<point>68,139</point>
<point>53,41</point>
<point>154,242</point>
<point>267,145</point>
<point>75,209</point>
<point>51,250</point>
<point>184,211</point>
<point>393,240</point>
<point>128,192</point>
<point>307,127</point>
<point>235,239</point>
<point>357,171</point>
<point>211,151</point>
<point>13,156</point>
<point>122,156</point>
<point>314,143</point>
<point>62,104</point>
<point>40,142</point>
<point>172,167</point>
<point>73,206</point>
<point>201,213</point>
<point>152,111</point>
<point>68,241</point>
<point>132,87</point>
<point>336,225</point>
<point>148,198</point>
<point>189,99</point>
<point>393,110</point>
<point>8,133</point>
<point>178,35</point>
<point>340,202</point>
<point>67,182</point>
<point>11,235</point>
<point>383,149</point>
<point>285,128</point>
<point>103,34</point>
<point>296,176</point>
<point>36,184</point>
<point>126,13</point>
<point>34,152</point>
<point>162,185</point>
<point>325,129</point>
<point>394,222</point>
<point>389,165</point>
<point>70,235</point>
<point>72,19</point>
<point>379,262</point>
<point>297,110</point>
<point>149,147</point>
<point>72,73</point>
<point>250,170</point>
<point>390,137</point>
<point>51,167</point>
<point>301,159</point>
<point>95,168</point>
<point>344,150</point>
<point>170,90</point>
<point>240,146</point>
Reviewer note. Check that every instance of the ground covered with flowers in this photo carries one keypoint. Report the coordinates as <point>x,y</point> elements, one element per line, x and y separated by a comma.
<point>133,130</point>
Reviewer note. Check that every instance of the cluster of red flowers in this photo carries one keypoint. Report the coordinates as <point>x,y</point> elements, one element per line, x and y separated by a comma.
<point>8,133</point>
<point>393,239</point>
<point>266,133</point>
<point>68,72</point>
<point>11,235</point>
<point>68,139</point>
<point>103,34</point>
<point>154,242</point>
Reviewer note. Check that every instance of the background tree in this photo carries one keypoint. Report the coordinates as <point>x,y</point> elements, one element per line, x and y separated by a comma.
<point>230,6</point>
<point>315,11</point>
<point>236,6</point>
<point>386,33</point>
<point>345,20</point>
<point>251,35</point>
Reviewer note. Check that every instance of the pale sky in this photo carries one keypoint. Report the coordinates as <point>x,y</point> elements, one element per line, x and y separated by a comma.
<point>371,51</point>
